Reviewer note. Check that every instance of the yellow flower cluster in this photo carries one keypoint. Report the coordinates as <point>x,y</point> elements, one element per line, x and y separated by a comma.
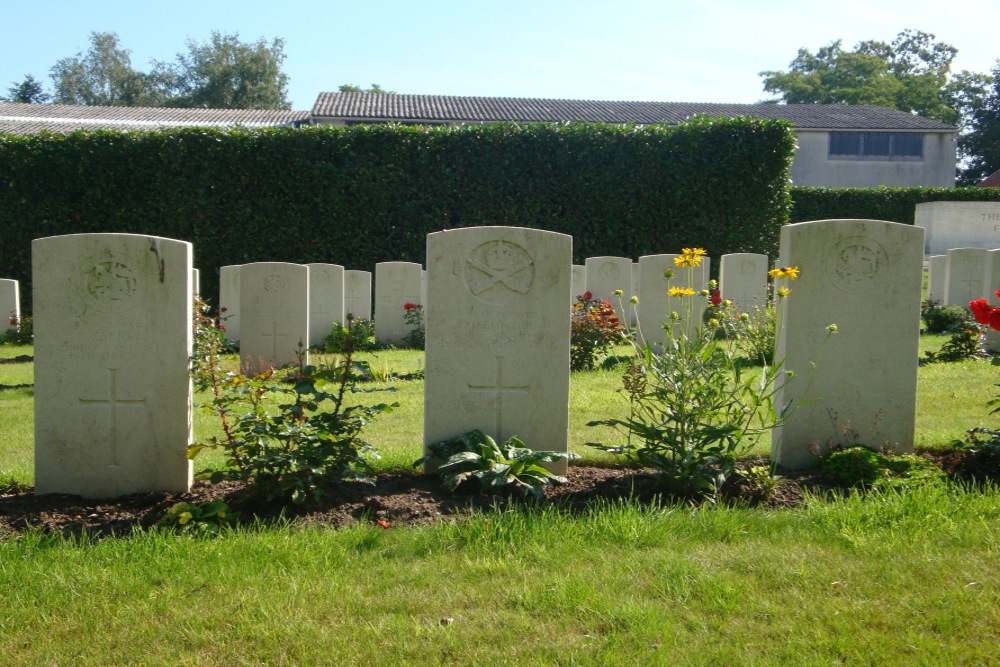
<point>680,291</point>
<point>690,257</point>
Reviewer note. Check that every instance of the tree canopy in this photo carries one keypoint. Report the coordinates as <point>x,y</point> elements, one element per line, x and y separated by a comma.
<point>223,73</point>
<point>910,73</point>
<point>375,88</point>
<point>981,144</point>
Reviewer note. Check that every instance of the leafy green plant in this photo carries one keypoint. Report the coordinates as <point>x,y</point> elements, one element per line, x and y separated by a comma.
<point>940,319</point>
<point>860,467</point>
<point>978,454</point>
<point>693,409</point>
<point>204,518</point>
<point>594,329</point>
<point>963,344</point>
<point>357,331</point>
<point>313,439</point>
<point>414,317</point>
<point>21,331</point>
<point>755,484</point>
<point>474,460</point>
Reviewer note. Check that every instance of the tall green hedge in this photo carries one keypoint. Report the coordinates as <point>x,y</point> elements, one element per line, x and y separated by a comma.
<point>360,195</point>
<point>892,204</point>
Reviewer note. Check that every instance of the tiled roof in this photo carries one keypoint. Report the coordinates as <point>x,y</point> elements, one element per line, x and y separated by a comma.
<point>16,118</point>
<point>438,108</point>
<point>991,181</point>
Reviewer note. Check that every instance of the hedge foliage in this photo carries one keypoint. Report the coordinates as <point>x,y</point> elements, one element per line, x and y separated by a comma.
<point>882,203</point>
<point>365,194</point>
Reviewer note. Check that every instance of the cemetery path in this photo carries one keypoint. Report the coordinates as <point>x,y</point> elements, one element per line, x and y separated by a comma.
<point>390,500</point>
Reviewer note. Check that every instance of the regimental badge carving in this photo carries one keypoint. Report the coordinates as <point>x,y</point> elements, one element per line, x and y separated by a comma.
<point>112,282</point>
<point>274,284</point>
<point>499,272</point>
<point>609,271</point>
<point>854,264</point>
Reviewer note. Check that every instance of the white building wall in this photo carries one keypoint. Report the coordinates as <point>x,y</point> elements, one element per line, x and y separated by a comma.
<point>813,167</point>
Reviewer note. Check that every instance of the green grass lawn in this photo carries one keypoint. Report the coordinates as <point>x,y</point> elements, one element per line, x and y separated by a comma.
<point>888,578</point>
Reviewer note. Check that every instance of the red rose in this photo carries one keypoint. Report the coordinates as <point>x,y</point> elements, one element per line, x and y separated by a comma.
<point>716,298</point>
<point>995,319</point>
<point>981,310</point>
<point>409,306</point>
<point>588,296</point>
<point>223,309</point>
<point>997,293</point>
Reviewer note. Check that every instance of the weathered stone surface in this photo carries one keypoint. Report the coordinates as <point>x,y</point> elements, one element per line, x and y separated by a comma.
<point>396,284</point>
<point>498,335</point>
<point>607,274</point>
<point>113,338</point>
<point>743,280</point>
<point>358,294</point>
<point>864,276</point>
<point>10,303</point>
<point>937,266</point>
<point>326,300</point>
<point>229,298</point>
<point>579,282</point>
<point>958,224</point>
<point>274,315</point>
<point>656,305</point>
<point>965,275</point>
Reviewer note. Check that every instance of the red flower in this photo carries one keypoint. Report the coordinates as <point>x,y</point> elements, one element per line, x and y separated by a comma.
<point>716,298</point>
<point>223,309</point>
<point>13,321</point>
<point>981,310</point>
<point>409,306</point>
<point>995,319</point>
<point>221,327</point>
<point>997,293</point>
<point>588,296</point>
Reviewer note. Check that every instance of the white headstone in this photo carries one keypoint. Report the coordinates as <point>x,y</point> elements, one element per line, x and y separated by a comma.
<point>326,300</point>
<point>113,339</point>
<point>656,305</point>
<point>274,315</point>
<point>965,275</point>
<point>358,294</point>
<point>579,282</point>
<point>229,299</point>
<point>743,280</point>
<point>10,303</point>
<point>937,266</point>
<point>396,284</point>
<point>959,224</point>
<point>864,276</point>
<point>607,274</point>
<point>498,335</point>
<point>632,312</point>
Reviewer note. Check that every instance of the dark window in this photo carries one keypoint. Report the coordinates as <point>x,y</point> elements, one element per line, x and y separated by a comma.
<point>877,145</point>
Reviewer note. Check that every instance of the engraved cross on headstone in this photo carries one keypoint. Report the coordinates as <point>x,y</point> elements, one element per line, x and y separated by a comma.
<point>113,402</point>
<point>973,285</point>
<point>274,336</point>
<point>498,389</point>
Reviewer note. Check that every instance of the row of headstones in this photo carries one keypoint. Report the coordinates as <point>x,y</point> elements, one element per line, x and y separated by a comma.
<point>113,401</point>
<point>963,275</point>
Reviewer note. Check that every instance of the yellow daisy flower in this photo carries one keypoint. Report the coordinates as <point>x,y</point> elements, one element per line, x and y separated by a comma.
<point>687,260</point>
<point>680,291</point>
<point>790,272</point>
<point>693,251</point>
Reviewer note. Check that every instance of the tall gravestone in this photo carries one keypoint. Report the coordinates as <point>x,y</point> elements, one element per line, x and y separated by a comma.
<point>10,303</point>
<point>498,336</point>
<point>396,284</point>
<point>656,305</point>
<point>229,299</point>
<point>274,315</point>
<point>937,265</point>
<point>965,275</point>
<point>579,282</point>
<point>605,275</point>
<point>113,338</point>
<point>864,276</point>
<point>743,280</point>
<point>358,294</point>
<point>326,300</point>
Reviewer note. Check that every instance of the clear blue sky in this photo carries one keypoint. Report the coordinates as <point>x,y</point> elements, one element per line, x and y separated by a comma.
<point>702,51</point>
